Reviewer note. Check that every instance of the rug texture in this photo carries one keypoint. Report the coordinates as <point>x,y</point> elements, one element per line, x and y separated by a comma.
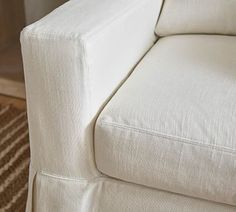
<point>14,159</point>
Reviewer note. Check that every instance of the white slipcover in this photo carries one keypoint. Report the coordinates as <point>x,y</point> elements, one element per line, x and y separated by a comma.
<point>197,16</point>
<point>108,195</point>
<point>74,60</point>
<point>172,124</point>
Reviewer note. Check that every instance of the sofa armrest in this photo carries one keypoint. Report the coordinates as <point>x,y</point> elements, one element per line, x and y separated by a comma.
<point>74,60</point>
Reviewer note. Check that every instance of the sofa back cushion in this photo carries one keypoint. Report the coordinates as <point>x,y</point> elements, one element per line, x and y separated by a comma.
<point>197,16</point>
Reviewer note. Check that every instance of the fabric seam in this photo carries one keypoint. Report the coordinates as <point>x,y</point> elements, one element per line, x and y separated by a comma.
<point>59,177</point>
<point>77,35</point>
<point>193,142</point>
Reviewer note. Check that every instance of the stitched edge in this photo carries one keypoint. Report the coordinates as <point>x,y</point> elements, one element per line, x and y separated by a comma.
<point>194,142</point>
<point>60,177</point>
<point>129,8</point>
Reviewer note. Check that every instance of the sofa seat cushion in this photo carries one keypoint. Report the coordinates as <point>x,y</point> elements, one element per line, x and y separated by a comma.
<point>172,125</point>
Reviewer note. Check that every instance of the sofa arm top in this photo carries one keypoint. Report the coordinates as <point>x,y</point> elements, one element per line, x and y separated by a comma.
<point>74,60</point>
<point>84,18</point>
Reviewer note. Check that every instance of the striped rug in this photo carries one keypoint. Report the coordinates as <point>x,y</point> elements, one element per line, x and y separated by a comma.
<point>14,159</point>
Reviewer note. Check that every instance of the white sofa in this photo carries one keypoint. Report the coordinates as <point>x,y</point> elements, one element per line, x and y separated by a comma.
<point>132,107</point>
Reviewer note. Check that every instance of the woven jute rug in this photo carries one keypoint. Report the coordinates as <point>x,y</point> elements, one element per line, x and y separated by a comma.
<point>14,159</point>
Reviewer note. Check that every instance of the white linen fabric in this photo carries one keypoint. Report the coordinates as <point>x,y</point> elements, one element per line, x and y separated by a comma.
<point>108,195</point>
<point>74,60</point>
<point>197,16</point>
<point>171,126</point>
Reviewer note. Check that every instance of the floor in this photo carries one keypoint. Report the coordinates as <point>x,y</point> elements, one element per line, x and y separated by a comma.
<point>14,154</point>
<point>16,102</point>
<point>11,72</point>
